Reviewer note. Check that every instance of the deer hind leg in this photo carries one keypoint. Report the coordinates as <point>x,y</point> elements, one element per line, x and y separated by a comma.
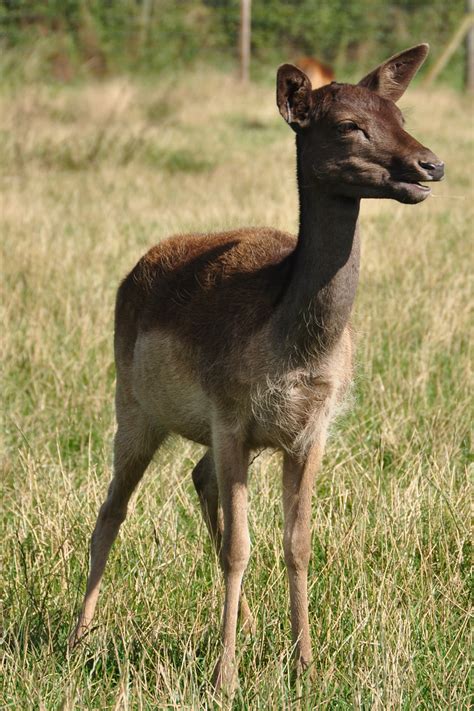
<point>298,480</point>
<point>231,462</point>
<point>135,443</point>
<point>205,482</point>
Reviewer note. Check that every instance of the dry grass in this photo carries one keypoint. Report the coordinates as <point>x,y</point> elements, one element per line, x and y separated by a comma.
<point>90,177</point>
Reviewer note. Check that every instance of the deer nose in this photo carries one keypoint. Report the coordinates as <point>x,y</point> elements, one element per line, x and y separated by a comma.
<point>434,170</point>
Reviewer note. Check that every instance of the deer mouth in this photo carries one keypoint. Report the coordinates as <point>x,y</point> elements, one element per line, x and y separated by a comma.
<point>410,187</point>
<point>417,186</point>
<point>411,192</point>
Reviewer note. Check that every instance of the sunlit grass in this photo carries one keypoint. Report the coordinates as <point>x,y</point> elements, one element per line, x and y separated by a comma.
<point>90,177</point>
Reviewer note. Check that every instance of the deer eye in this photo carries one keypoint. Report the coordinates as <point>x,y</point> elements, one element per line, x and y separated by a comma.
<point>347,127</point>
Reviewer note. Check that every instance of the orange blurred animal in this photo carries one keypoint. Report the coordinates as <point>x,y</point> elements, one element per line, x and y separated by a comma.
<point>318,73</point>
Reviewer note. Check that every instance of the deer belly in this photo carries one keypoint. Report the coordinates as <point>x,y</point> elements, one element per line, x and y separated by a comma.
<point>167,390</point>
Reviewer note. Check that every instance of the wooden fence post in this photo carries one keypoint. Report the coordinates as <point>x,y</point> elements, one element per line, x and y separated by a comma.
<point>470,51</point>
<point>244,39</point>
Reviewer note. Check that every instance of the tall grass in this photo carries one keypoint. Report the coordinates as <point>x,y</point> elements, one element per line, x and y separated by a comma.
<point>90,177</point>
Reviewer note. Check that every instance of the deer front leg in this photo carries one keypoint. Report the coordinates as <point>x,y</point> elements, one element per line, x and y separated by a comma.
<point>231,461</point>
<point>298,477</point>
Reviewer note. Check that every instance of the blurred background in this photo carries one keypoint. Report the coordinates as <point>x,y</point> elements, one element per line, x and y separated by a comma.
<point>65,40</point>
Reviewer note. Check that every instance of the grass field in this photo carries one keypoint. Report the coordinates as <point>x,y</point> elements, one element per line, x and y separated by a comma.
<point>90,177</point>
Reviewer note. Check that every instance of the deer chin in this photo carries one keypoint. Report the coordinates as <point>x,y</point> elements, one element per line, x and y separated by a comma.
<point>410,193</point>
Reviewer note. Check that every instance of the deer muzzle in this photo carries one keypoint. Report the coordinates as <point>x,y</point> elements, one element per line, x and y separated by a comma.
<point>433,169</point>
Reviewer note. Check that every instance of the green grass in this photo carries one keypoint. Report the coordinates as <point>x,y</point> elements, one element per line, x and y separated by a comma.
<point>90,177</point>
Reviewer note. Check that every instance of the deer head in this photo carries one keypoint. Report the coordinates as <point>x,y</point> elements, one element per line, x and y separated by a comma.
<point>351,139</point>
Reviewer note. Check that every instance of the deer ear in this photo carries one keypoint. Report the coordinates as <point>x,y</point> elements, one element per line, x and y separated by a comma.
<point>391,78</point>
<point>294,97</point>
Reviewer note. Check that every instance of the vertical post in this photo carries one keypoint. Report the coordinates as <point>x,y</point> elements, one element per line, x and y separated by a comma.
<point>143,25</point>
<point>470,51</point>
<point>244,39</point>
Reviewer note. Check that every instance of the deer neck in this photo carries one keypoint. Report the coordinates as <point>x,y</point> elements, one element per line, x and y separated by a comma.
<point>324,273</point>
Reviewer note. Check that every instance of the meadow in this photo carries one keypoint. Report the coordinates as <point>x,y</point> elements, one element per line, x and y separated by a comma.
<point>91,176</point>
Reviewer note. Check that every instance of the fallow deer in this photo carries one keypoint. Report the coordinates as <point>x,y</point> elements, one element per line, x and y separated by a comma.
<point>241,340</point>
<point>318,73</point>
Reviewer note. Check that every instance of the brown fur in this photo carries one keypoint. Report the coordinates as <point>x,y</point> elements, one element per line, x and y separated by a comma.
<point>241,339</point>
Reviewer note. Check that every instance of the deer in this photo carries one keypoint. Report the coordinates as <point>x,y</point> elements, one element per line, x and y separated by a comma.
<point>318,73</point>
<point>241,340</point>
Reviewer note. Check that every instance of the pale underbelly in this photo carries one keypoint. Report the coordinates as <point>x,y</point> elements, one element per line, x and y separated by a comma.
<point>289,413</point>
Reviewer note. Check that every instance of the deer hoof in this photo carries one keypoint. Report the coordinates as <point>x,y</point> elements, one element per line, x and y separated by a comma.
<point>79,630</point>
<point>224,679</point>
<point>73,641</point>
<point>304,675</point>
